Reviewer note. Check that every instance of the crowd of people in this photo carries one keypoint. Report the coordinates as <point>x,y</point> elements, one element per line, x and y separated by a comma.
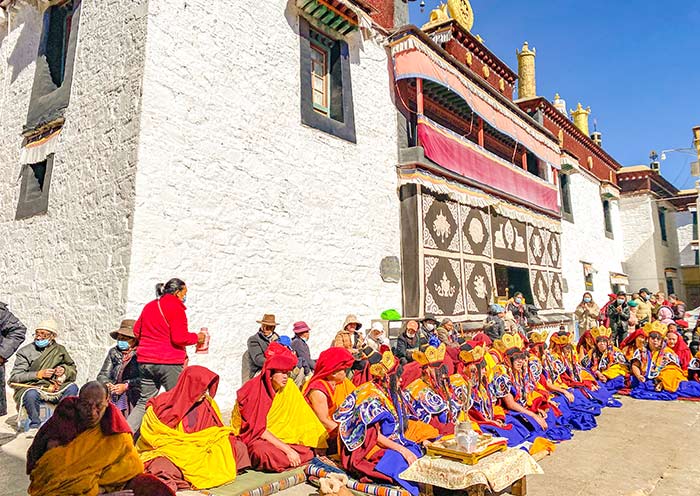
<point>369,402</point>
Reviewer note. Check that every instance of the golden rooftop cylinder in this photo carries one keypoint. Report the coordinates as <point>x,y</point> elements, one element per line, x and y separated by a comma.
<point>527,87</point>
<point>580,116</point>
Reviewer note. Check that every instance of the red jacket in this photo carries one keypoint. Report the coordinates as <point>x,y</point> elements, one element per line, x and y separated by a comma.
<point>163,337</point>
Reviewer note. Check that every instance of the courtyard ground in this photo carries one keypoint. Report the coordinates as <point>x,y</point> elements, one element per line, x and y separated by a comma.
<point>643,448</point>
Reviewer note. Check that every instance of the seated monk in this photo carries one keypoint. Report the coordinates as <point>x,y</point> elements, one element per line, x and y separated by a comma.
<point>184,441</point>
<point>276,424</point>
<point>328,387</point>
<point>86,448</point>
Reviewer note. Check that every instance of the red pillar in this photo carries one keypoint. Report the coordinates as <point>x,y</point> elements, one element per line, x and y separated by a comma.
<point>419,96</point>
<point>480,134</point>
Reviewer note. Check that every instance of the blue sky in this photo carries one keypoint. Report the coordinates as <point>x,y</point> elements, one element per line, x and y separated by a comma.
<point>635,63</point>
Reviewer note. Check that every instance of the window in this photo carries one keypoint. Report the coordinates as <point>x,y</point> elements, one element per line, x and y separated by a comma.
<point>565,190</point>
<point>588,272</point>
<point>54,43</point>
<point>608,219</point>
<point>533,165</point>
<point>662,224</point>
<point>669,286</point>
<point>510,280</point>
<point>326,87</point>
<point>34,191</point>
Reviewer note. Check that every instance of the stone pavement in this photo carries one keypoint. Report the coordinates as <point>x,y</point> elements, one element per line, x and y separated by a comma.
<point>644,448</point>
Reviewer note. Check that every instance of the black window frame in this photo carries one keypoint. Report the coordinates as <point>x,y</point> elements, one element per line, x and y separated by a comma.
<point>607,219</point>
<point>661,214</point>
<point>32,202</point>
<point>567,211</point>
<point>341,121</point>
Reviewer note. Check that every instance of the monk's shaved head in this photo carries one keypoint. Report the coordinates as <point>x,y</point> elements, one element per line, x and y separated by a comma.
<point>93,399</point>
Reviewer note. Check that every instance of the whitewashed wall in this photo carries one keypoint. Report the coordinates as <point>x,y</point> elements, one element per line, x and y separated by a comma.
<point>256,212</point>
<point>684,221</point>
<point>584,239</point>
<point>71,264</point>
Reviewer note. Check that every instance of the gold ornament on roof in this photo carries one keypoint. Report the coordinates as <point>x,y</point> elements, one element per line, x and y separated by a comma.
<point>437,16</point>
<point>461,11</point>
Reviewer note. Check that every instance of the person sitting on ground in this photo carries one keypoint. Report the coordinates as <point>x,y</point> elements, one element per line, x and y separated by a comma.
<point>408,342</point>
<point>494,326</point>
<point>301,348</point>
<point>258,343</point>
<point>587,313</point>
<point>12,333</point>
<point>676,342</point>
<point>120,370</point>
<point>376,337</point>
<point>44,372</point>
<point>328,387</point>
<point>517,306</point>
<point>349,336</point>
<point>274,421</point>
<point>644,307</point>
<point>619,315</point>
<point>86,447</point>
<point>656,373</point>
<point>428,327</point>
<point>634,341</point>
<point>605,361</point>
<point>183,440</point>
<point>445,331</point>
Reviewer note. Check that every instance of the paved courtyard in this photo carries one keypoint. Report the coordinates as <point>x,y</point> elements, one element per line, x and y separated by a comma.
<point>644,448</point>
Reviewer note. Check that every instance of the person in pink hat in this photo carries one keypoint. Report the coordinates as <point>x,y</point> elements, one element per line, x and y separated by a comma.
<point>301,348</point>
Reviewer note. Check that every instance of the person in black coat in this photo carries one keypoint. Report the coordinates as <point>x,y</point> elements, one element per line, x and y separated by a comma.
<point>120,370</point>
<point>299,346</point>
<point>494,326</point>
<point>409,341</point>
<point>12,333</point>
<point>619,314</point>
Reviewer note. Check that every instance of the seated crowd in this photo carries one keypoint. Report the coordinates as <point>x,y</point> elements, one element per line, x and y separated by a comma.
<point>370,405</point>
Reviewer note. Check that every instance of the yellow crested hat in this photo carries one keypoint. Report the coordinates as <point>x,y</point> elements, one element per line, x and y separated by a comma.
<point>601,332</point>
<point>655,326</point>
<point>431,356</point>
<point>379,367</point>
<point>509,342</point>
<point>539,337</point>
<point>476,354</point>
<point>561,339</point>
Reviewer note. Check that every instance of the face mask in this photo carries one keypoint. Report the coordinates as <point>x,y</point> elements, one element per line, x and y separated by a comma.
<point>647,297</point>
<point>430,327</point>
<point>42,343</point>
<point>620,301</point>
<point>122,345</point>
<point>306,340</point>
<point>518,301</point>
<point>587,299</point>
<point>184,299</point>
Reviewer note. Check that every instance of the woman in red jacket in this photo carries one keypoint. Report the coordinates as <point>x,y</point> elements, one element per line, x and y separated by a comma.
<point>162,334</point>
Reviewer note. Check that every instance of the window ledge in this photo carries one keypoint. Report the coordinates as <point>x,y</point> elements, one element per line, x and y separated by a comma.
<point>567,217</point>
<point>609,235</point>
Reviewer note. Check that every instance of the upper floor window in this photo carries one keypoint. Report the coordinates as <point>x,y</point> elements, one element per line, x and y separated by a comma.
<point>34,190</point>
<point>326,87</point>
<point>608,218</point>
<point>55,37</point>
<point>662,224</point>
<point>565,190</point>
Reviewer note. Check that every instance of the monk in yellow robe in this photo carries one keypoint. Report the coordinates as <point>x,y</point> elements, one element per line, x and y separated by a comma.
<point>274,421</point>
<point>86,448</point>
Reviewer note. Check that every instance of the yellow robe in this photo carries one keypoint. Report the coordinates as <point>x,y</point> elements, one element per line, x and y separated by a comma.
<point>292,421</point>
<point>88,463</point>
<point>204,457</point>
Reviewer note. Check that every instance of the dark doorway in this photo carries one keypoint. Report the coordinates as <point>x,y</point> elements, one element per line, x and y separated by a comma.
<point>513,279</point>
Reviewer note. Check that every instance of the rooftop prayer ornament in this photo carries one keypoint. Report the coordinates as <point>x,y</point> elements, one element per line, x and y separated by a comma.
<point>460,10</point>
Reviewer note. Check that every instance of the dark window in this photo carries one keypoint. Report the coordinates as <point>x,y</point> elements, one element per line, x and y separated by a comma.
<point>669,286</point>
<point>510,280</point>
<point>533,165</point>
<point>565,190</point>
<point>608,218</point>
<point>662,224</point>
<point>326,88</point>
<point>54,43</point>
<point>34,191</point>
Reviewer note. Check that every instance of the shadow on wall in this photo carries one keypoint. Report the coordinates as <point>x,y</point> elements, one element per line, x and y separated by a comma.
<point>28,20</point>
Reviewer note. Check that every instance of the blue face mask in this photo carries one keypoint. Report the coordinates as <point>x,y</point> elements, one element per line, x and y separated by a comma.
<point>122,345</point>
<point>42,343</point>
<point>518,301</point>
<point>184,299</point>
<point>587,299</point>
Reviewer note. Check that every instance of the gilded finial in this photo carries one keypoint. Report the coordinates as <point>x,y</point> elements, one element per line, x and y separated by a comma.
<point>437,16</point>
<point>556,96</point>
<point>461,11</point>
<point>580,116</point>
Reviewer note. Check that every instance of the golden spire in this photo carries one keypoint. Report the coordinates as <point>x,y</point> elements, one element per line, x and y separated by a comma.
<point>527,87</point>
<point>437,16</point>
<point>580,116</point>
<point>461,11</point>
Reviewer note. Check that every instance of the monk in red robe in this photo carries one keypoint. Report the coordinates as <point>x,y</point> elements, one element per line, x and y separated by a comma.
<point>279,428</point>
<point>87,447</point>
<point>183,439</point>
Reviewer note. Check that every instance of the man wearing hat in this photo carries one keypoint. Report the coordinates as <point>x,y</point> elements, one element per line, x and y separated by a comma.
<point>44,372</point>
<point>258,343</point>
<point>120,370</point>
<point>12,333</point>
<point>301,348</point>
<point>349,336</point>
<point>428,327</point>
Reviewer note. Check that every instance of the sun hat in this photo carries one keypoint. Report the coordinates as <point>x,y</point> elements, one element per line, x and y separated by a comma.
<point>268,319</point>
<point>300,327</point>
<point>48,325</point>
<point>352,319</point>
<point>126,328</point>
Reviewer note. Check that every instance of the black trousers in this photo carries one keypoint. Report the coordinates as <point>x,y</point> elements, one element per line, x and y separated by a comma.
<point>153,377</point>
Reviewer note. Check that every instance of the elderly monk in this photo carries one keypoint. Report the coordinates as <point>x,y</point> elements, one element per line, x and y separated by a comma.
<point>276,424</point>
<point>328,387</point>
<point>183,439</point>
<point>86,448</point>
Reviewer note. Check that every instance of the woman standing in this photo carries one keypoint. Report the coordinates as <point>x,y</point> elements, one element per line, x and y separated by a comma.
<point>162,334</point>
<point>587,313</point>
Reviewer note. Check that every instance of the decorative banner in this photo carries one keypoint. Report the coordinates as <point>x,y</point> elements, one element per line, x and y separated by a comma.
<point>508,239</point>
<point>473,162</point>
<point>440,224</point>
<point>476,231</point>
<point>443,284</point>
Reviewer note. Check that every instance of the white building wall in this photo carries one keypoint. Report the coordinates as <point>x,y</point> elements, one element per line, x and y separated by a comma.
<point>584,240</point>
<point>257,213</point>
<point>71,264</point>
<point>684,222</point>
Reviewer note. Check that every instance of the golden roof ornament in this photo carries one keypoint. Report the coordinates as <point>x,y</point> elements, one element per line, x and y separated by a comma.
<point>461,11</point>
<point>437,16</point>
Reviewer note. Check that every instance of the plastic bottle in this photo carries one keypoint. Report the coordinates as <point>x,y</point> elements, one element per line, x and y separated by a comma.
<point>204,347</point>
